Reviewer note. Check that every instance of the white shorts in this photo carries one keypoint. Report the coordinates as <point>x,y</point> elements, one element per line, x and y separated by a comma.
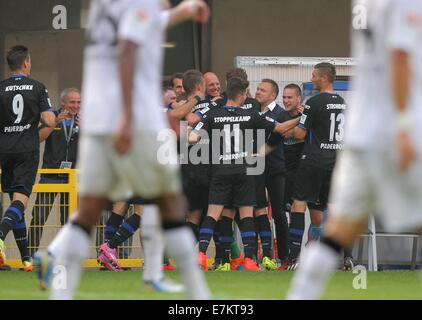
<point>369,183</point>
<point>103,172</point>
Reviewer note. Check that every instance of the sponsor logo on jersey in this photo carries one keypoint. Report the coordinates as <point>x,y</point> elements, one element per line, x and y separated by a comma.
<point>199,126</point>
<point>204,110</point>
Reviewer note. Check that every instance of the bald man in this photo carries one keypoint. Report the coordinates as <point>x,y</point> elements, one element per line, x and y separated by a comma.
<point>212,84</point>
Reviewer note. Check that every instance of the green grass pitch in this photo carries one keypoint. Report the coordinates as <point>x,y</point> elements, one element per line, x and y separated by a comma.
<point>231,285</point>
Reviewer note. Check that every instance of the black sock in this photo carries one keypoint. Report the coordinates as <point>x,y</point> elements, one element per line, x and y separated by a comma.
<point>205,233</point>
<point>21,237</point>
<point>195,230</point>
<point>12,216</point>
<point>112,225</point>
<point>247,231</point>
<point>348,253</point>
<point>126,230</point>
<point>332,244</point>
<point>219,250</point>
<point>296,229</point>
<point>265,234</point>
<point>226,238</point>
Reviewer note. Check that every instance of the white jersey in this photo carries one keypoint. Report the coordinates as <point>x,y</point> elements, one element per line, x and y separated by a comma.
<point>142,22</point>
<point>391,25</point>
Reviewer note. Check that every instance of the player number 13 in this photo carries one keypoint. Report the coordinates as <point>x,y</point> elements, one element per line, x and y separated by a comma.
<point>339,121</point>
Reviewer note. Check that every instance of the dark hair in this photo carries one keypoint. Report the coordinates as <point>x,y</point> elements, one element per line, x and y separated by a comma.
<point>274,85</point>
<point>327,69</point>
<point>177,75</point>
<point>16,56</point>
<point>236,73</point>
<point>294,86</point>
<point>235,87</point>
<point>191,79</point>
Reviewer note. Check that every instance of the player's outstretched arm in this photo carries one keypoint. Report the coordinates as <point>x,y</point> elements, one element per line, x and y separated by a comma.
<point>182,110</point>
<point>284,127</point>
<point>48,118</point>
<point>45,131</point>
<point>196,10</point>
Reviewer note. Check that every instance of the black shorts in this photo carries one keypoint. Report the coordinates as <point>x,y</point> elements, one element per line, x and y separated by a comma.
<point>289,189</point>
<point>312,184</point>
<point>139,201</point>
<point>233,191</point>
<point>18,172</point>
<point>261,193</point>
<point>196,187</point>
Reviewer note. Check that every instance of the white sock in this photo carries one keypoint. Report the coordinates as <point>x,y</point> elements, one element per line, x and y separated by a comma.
<point>153,244</point>
<point>180,244</point>
<point>56,244</point>
<point>70,250</point>
<point>317,263</point>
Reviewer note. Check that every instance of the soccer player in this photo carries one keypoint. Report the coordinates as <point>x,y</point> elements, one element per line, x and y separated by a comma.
<point>250,103</point>
<point>23,103</point>
<point>123,61</point>
<point>373,175</point>
<point>117,230</point>
<point>322,123</point>
<point>231,185</point>
<point>292,99</point>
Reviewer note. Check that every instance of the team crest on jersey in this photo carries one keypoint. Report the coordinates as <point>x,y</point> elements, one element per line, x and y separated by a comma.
<point>142,15</point>
<point>413,19</point>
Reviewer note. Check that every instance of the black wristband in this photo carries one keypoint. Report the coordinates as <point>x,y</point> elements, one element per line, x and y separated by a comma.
<point>198,99</point>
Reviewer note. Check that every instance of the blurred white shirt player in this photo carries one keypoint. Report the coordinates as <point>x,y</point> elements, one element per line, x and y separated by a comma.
<point>380,170</point>
<point>118,151</point>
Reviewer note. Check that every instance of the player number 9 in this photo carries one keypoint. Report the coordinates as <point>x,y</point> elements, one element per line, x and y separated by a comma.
<point>18,107</point>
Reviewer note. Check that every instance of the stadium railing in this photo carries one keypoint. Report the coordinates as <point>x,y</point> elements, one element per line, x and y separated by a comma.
<point>52,224</point>
<point>371,235</point>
